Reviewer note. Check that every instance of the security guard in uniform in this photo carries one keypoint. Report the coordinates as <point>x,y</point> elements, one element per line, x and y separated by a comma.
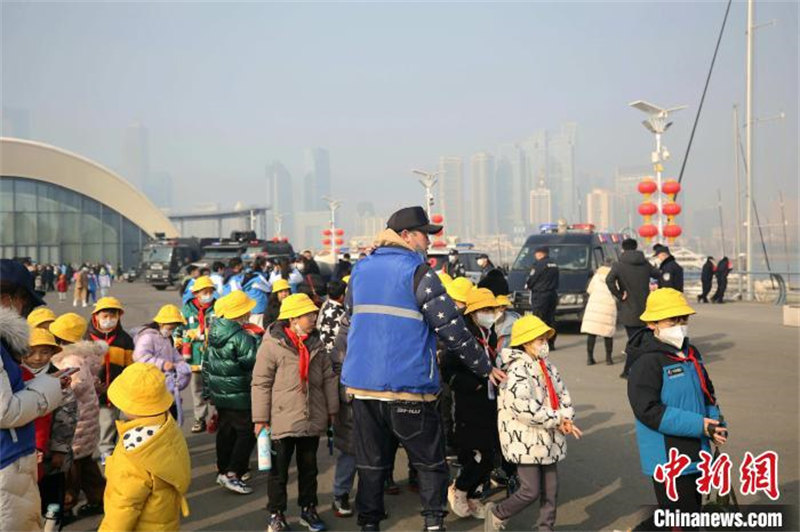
<point>543,284</point>
<point>670,272</point>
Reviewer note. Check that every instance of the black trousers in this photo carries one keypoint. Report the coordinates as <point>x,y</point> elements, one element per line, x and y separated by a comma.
<point>283,450</point>
<point>689,500</point>
<point>719,295</point>
<point>706,290</point>
<point>235,441</point>
<point>474,473</point>
<point>446,411</point>
<point>543,306</point>
<point>52,490</point>
<point>629,360</point>
<point>592,339</point>
<point>379,426</point>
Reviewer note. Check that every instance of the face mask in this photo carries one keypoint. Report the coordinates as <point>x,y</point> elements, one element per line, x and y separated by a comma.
<point>206,299</point>
<point>166,333</point>
<point>674,335</point>
<point>36,371</point>
<point>482,263</point>
<point>108,324</point>
<point>300,266</point>
<point>543,351</point>
<point>486,319</point>
<point>453,260</point>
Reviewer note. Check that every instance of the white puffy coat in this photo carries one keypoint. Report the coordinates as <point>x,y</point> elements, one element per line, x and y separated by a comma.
<point>526,422</point>
<point>600,315</point>
<point>20,505</point>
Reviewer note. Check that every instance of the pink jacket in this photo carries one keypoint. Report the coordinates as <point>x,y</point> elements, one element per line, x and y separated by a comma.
<point>152,348</point>
<point>88,356</point>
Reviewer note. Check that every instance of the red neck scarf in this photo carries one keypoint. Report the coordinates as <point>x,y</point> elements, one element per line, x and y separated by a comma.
<point>302,350</point>
<point>551,390</point>
<point>484,341</point>
<point>201,313</point>
<point>693,358</point>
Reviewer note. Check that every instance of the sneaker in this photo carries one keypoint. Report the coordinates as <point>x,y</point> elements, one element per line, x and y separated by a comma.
<point>89,509</point>
<point>434,528</point>
<point>370,527</point>
<point>458,501</point>
<point>232,483</point>
<point>498,478</point>
<point>277,523</point>
<point>310,519</point>
<point>476,508</point>
<point>341,506</point>
<point>247,476</point>
<point>390,487</point>
<point>199,425</point>
<point>492,523</point>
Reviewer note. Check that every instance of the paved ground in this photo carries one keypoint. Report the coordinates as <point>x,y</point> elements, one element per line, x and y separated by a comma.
<point>752,359</point>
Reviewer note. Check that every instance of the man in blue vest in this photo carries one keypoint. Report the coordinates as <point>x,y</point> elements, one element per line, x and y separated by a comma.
<point>397,308</point>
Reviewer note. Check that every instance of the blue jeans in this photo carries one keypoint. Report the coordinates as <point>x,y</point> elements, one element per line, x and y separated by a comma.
<point>345,473</point>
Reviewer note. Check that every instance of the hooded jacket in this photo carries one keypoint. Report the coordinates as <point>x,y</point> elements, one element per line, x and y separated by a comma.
<point>198,340</point>
<point>631,275</point>
<point>146,483</point>
<point>670,274</point>
<point>88,357</point>
<point>293,408</point>
<point>118,357</point>
<point>526,421</point>
<point>152,348</point>
<point>600,314</point>
<point>667,399</point>
<point>228,367</point>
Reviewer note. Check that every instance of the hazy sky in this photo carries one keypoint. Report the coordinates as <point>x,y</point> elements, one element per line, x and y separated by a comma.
<point>225,88</point>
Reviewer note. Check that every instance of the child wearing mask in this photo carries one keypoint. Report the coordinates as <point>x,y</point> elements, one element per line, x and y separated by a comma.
<point>534,416</point>
<point>227,371</point>
<point>150,470</point>
<point>280,290</point>
<point>84,474</point>
<point>54,431</point>
<point>295,396</point>
<point>154,345</point>
<point>106,326</point>
<point>475,408</point>
<point>198,314</point>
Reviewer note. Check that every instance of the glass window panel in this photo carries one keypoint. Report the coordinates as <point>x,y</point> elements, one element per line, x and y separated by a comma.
<point>70,228</point>
<point>110,226</point>
<point>47,196</point>
<point>92,253</point>
<point>7,195</point>
<point>6,228</point>
<point>111,254</point>
<point>48,228</point>
<point>71,253</point>
<point>92,229</point>
<point>68,201</point>
<point>8,252</point>
<point>90,206</point>
<point>25,228</point>
<point>24,195</point>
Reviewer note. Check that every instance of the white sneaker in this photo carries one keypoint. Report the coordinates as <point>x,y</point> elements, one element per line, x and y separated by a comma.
<point>458,501</point>
<point>476,508</point>
<point>234,484</point>
<point>491,522</point>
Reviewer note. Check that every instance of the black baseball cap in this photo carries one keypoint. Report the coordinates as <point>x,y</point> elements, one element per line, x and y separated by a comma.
<point>412,219</point>
<point>542,249</point>
<point>14,273</point>
<point>660,248</point>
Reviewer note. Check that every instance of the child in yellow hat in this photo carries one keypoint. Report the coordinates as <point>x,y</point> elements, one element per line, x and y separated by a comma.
<point>535,415</point>
<point>149,472</point>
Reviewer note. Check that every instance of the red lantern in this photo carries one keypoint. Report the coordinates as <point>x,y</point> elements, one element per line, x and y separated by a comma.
<point>672,231</point>
<point>439,244</point>
<point>437,218</point>
<point>285,240</point>
<point>648,208</point>
<point>326,242</point>
<point>326,232</point>
<point>274,238</point>
<point>647,186</point>
<point>339,241</point>
<point>648,231</point>
<point>671,209</point>
<point>670,187</point>
<point>439,234</point>
<point>339,232</point>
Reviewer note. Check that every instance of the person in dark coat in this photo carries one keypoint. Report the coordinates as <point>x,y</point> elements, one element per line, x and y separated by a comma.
<point>670,272</point>
<point>495,281</point>
<point>723,269</point>
<point>342,269</point>
<point>454,267</point>
<point>629,283</point>
<point>706,277</point>
<point>543,284</point>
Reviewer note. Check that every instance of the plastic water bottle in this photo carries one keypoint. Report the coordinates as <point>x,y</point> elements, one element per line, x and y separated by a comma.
<point>51,517</point>
<point>264,451</point>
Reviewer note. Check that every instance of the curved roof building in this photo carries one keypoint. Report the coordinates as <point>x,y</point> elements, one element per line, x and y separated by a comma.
<point>57,206</point>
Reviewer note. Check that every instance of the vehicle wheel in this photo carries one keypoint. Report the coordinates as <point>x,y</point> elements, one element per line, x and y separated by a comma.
<point>160,287</point>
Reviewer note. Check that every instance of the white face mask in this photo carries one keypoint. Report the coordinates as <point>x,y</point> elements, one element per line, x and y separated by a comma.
<point>674,335</point>
<point>482,263</point>
<point>166,333</point>
<point>206,299</point>
<point>485,319</point>
<point>300,266</point>
<point>453,260</point>
<point>543,351</point>
<point>107,324</point>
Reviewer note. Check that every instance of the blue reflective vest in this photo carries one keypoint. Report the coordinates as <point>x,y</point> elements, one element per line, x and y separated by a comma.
<point>390,346</point>
<point>20,441</point>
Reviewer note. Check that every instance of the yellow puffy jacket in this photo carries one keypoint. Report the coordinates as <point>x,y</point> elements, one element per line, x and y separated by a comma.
<point>146,485</point>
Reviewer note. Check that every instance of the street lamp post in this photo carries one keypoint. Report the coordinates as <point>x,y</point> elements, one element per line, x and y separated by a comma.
<point>332,206</point>
<point>429,180</point>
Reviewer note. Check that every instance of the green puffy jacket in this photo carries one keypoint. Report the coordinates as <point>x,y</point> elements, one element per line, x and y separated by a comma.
<point>228,365</point>
<point>191,312</point>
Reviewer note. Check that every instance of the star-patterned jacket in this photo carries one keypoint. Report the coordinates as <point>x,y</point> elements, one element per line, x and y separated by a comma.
<point>329,321</point>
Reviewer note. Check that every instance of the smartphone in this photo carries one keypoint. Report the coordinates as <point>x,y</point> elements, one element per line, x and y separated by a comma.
<point>66,372</point>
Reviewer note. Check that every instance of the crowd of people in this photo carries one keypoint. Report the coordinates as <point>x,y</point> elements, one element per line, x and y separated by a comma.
<point>88,281</point>
<point>388,354</point>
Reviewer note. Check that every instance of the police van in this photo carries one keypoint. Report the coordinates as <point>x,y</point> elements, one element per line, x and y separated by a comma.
<point>578,250</point>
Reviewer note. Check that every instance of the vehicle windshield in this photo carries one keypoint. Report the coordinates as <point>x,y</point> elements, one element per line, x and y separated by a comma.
<point>158,254</point>
<point>279,248</point>
<point>217,253</point>
<point>253,250</point>
<point>469,260</point>
<point>567,256</point>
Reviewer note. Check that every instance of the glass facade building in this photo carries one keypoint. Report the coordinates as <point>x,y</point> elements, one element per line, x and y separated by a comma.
<point>54,224</point>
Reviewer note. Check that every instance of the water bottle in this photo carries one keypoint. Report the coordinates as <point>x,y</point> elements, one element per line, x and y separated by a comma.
<point>264,451</point>
<point>51,517</point>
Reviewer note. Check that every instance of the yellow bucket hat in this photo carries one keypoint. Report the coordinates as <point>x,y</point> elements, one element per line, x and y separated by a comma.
<point>665,303</point>
<point>280,285</point>
<point>529,328</point>
<point>444,277</point>
<point>480,298</point>
<point>234,305</point>
<point>504,301</point>
<point>69,327</point>
<point>459,289</point>
<point>140,390</point>
<point>108,303</point>
<point>40,315</point>
<point>169,314</point>
<point>296,305</point>
<point>41,336</point>
<point>201,283</point>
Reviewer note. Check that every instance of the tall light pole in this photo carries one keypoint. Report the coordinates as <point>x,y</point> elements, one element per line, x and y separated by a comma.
<point>738,234</point>
<point>332,206</point>
<point>657,124</point>
<point>749,148</point>
<point>428,180</point>
<point>278,224</point>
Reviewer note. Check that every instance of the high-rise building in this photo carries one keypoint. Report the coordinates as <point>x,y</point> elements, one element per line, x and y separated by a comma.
<point>308,229</point>
<point>541,206</point>
<point>451,194</point>
<point>561,172</point>
<point>484,195</point>
<point>279,198</point>
<point>317,179</point>
<point>137,155</point>
<point>626,190</point>
<point>158,187</point>
<point>512,187</point>
<point>600,209</point>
